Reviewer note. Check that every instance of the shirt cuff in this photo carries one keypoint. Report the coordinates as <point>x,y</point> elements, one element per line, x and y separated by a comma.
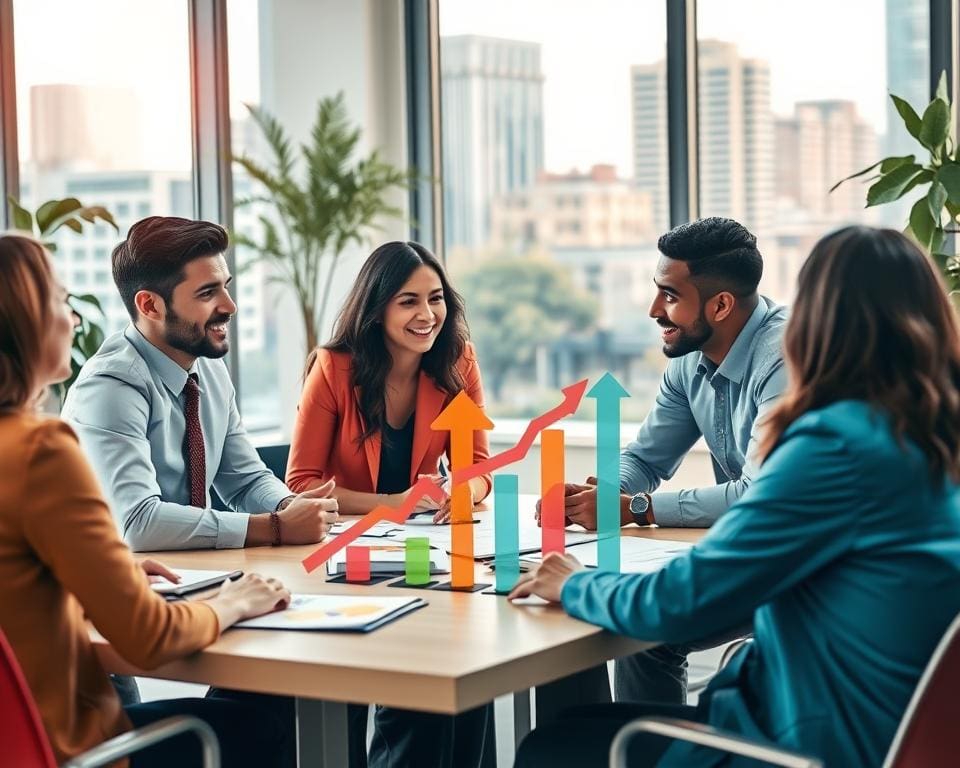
<point>232,530</point>
<point>667,511</point>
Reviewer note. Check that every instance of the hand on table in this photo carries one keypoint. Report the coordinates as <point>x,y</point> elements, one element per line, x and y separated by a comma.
<point>157,572</point>
<point>580,505</point>
<point>547,579</point>
<point>309,515</point>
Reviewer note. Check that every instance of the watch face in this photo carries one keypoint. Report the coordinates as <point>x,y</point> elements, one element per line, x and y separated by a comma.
<point>639,505</point>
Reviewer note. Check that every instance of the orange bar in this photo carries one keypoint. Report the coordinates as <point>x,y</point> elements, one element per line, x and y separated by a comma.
<point>551,490</point>
<point>358,563</point>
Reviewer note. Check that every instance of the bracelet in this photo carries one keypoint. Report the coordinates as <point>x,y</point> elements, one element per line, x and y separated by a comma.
<point>275,527</point>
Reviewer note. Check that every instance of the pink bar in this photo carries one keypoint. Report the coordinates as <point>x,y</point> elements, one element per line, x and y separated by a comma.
<point>358,564</point>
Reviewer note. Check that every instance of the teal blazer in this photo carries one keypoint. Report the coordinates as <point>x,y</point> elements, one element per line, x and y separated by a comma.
<point>846,553</point>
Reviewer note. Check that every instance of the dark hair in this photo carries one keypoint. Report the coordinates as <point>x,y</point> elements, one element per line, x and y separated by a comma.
<point>359,331</point>
<point>721,254</point>
<point>155,252</point>
<point>26,286</point>
<point>872,322</point>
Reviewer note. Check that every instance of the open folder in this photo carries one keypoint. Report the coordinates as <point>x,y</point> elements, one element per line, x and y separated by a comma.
<point>193,580</point>
<point>344,613</point>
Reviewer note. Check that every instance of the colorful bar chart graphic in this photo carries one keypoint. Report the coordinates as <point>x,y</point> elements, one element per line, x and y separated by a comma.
<point>417,560</point>
<point>506,531</point>
<point>462,418</point>
<point>551,491</point>
<point>358,563</point>
<point>608,393</point>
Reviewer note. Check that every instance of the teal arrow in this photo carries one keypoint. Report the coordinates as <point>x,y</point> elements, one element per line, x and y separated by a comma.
<point>608,392</point>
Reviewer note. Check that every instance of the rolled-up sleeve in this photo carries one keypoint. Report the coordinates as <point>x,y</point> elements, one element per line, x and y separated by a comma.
<point>111,418</point>
<point>702,507</point>
<point>664,438</point>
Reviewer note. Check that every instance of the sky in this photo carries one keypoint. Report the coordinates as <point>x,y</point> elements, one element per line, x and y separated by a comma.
<point>588,47</point>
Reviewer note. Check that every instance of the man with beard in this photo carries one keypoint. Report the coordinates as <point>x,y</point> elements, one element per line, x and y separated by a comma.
<point>156,411</point>
<point>725,371</point>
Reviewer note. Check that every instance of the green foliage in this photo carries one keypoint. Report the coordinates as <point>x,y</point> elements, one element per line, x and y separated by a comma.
<point>933,221</point>
<point>339,199</point>
<point>50,217</point>
<point>516,305</point>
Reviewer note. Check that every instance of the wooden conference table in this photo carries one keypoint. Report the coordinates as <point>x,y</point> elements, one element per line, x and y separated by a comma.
<point>460,651</point>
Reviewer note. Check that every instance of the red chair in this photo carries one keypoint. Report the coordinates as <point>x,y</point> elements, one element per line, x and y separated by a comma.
<point>926,737</point>
<point>25,743</point>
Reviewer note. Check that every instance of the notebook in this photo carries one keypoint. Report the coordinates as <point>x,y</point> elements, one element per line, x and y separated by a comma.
<point>339,613</point>
<point>193,580</point>
<point>388,557</point>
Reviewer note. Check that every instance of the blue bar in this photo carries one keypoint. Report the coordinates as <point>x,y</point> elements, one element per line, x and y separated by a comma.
<point>506,529</point>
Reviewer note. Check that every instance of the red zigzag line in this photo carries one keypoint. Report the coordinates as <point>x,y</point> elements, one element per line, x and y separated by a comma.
<point>427,487</point>
<point>518,451</point>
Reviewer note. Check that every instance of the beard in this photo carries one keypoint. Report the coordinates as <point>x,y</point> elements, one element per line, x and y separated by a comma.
<point>192,338</point>
<point>688,339</point>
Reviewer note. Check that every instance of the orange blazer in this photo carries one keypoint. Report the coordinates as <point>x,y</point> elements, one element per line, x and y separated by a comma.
<point>329,424</point>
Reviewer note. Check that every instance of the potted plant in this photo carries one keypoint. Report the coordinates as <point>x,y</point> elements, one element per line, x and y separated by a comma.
<point>933,221</point>
<point>50,217</point>
<point>314,211</point>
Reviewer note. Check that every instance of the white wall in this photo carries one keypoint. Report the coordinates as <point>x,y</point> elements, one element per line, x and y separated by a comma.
<point>314,48</point>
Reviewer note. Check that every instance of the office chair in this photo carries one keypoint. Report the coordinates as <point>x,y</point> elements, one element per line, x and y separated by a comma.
<point>925,739</point>
<point>25,742</point>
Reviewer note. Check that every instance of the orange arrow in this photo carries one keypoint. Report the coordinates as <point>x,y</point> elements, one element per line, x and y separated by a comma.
<point>461,419</point>
<point>572,396</point>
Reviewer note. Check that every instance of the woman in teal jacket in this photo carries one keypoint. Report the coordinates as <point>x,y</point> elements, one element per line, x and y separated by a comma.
<point>845,550</point>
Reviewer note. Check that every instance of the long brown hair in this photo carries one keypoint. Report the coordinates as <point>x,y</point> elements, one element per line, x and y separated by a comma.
<point>26,285</point>
<point>359,330</point>
<point>872,322</point>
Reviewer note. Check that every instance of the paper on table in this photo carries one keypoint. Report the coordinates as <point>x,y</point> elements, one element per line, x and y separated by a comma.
<point>335,612</point>
<point>637,555</point>
<point>380,530</point>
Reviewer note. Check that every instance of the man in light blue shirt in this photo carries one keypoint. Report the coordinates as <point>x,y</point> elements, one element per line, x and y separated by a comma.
<point>725,371</point>
<point>156,451</point>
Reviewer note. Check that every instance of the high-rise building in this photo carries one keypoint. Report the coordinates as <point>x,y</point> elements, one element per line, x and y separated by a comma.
<point>736,135</point>
<point>908,67</point>
<point>83,128</point>
<point>824,141</point>
<point>492,91</point>
<point>735,129</point>
<point>648,95</point>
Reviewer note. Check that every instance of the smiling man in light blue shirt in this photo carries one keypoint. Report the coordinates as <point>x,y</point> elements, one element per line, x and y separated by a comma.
<point>131,406</point>
<point>726,370</point>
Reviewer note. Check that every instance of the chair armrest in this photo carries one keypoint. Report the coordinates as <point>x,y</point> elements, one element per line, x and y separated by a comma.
<point>706,736</point>
<point>133,741</point>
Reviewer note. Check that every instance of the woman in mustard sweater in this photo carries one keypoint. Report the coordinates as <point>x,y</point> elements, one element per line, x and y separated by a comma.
<point>62,561</point>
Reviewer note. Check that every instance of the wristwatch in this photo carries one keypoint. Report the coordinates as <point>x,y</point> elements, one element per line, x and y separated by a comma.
<point>639,507</point>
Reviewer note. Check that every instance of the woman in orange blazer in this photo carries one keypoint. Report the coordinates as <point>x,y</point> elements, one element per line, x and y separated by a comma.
<point>399,354</point>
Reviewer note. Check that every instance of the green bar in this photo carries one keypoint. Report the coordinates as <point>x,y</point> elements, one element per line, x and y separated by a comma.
<point>506,529</point>
<point>418,560</point>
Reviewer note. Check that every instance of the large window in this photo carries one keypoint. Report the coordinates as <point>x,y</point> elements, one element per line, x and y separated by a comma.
<point>284,58</point>
<point>103,105</point>
<point>554,191</point>
<point>789,105</point>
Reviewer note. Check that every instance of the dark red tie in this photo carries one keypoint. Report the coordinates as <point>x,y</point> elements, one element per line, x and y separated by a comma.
<point>193,444</point>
